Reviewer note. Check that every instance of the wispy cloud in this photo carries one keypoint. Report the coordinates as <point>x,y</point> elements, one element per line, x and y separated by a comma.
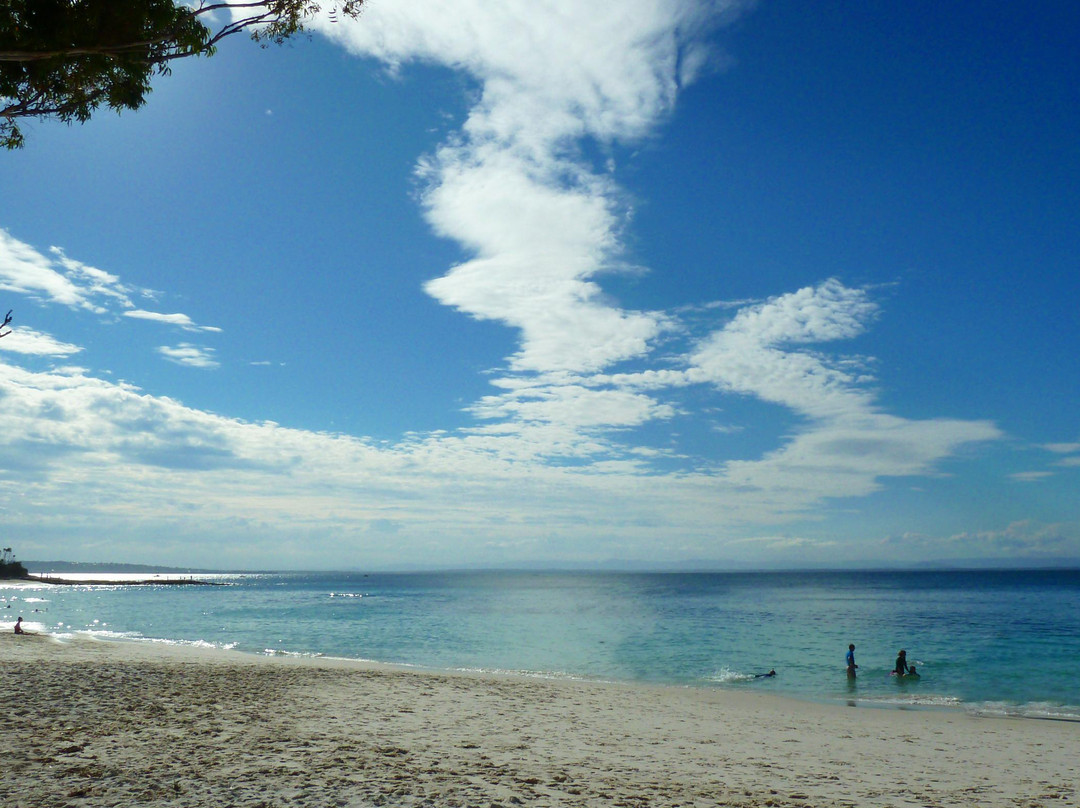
<point>194,356</point>
<point>1030,476</point>
<point>180,320</point>
<point>58,279</point>
<point>1026,538</point>
<point>28,341</point>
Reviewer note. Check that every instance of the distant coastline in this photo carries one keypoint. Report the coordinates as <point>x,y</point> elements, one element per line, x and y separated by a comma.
<point>48,578</point>
<point>50,567</point>
<point>61,568</point>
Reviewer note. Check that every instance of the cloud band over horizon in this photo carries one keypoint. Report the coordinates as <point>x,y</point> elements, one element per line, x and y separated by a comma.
<point>552,463</point>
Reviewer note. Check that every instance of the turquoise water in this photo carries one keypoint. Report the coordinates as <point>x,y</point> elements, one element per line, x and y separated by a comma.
<point>986,641</point>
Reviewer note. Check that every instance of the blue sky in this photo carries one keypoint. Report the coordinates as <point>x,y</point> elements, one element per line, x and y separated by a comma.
<point>662,282</point>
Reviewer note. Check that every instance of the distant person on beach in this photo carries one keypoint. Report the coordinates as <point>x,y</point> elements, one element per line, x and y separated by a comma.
<point>765,675</point>
<point>912,673</point>
<point>851,666</point>
<point>901,668</point>
<point>19,628</point>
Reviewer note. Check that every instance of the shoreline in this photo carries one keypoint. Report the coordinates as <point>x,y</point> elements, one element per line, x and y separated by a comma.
<point>989,710</point>
<point>108,722</point>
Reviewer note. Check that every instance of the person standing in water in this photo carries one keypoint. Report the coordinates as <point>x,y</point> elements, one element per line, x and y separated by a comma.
<point>851,666</point>
<point>901,668</point>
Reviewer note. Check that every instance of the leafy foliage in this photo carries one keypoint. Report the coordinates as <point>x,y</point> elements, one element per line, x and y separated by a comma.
<point>9,567</point>
<point>64,59</point>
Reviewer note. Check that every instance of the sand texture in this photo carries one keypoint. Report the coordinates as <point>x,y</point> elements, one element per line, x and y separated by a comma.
<point>114,724</point>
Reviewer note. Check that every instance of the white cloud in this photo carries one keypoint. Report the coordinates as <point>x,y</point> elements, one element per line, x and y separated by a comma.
<point>84,456</point>
<point>181,320</point>
<point>573,406</point>
<point>550,463</point>
<point>195,356</point>
<point>24,270</point>
<point>751,354</point>
<point>83,452</point>
<point>1030,476</point>
<point>30,342</point>
<point>95,283</point>
<point>1026,539</point>
<point>65,281</point>
<point>846,445</point>
<point>543,227</point>
<point>540,222</point>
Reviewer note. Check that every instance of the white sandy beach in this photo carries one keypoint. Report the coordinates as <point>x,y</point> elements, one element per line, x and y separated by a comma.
<point>90,723</point>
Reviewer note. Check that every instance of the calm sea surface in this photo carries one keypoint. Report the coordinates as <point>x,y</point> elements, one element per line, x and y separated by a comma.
<point>992,642</point>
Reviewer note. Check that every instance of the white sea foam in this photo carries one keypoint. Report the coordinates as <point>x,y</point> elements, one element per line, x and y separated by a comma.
<point>531,674</point>
<point>1043,710</point>
<point>729,676</point>
<point>132,636</point>
<point>298,654</point>
<point>913,700</point>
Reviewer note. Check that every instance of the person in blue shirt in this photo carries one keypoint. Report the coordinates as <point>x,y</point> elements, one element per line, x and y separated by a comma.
<point>851,666</point>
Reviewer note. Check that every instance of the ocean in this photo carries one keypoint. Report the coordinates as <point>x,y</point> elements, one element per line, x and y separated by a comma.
<point>989,642</point>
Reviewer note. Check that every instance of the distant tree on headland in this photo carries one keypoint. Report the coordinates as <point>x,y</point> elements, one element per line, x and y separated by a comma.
<point>9,567</point>
<point>63,59</point>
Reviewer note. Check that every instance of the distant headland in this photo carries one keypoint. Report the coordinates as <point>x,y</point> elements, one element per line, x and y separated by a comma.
<point>52,572</point>
<point>49,578</point>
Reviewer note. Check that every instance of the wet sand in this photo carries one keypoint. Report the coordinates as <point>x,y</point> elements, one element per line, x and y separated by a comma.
<point>88,723</point>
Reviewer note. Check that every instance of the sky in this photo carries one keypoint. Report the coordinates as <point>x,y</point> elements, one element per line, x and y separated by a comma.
<point>658,283</point>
